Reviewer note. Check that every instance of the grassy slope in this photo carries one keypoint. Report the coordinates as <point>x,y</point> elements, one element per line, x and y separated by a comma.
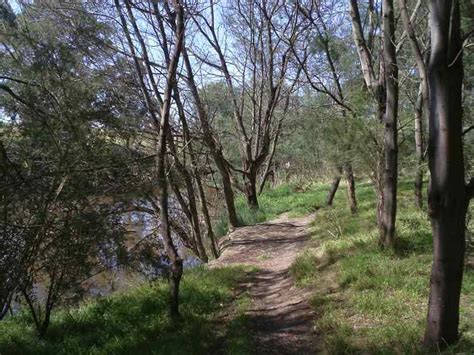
<point>374,301</point>
<point>366,300</point>
<point>137,321</point>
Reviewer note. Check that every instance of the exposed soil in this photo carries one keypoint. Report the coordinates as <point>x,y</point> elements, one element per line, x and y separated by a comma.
<point>281,317</point>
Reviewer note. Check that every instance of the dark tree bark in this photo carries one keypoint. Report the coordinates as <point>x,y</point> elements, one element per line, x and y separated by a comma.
<point>250,188</point>
<point>390,176</point>
<point>350,189</point>
<point>448,197</point>
<point>4,309</point>
<point>334,186</point>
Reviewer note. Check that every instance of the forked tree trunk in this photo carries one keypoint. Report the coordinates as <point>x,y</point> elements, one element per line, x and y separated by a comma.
<point>390,176</point>
<point>448,197</point>
<point>350,189</point>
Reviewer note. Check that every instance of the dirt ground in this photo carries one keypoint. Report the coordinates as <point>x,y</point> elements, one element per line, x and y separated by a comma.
<point>281,317</point>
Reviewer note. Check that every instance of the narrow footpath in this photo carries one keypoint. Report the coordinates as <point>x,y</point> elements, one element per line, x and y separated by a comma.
<point>281,317</point>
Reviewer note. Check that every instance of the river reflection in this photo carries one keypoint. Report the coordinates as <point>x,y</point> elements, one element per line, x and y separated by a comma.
<point>140,227</point>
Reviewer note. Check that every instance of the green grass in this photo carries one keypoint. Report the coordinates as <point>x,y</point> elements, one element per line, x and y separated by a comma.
<point>366,300</point>
<point>374,301</point>
<point>297,199</point>
<point>137,321</point>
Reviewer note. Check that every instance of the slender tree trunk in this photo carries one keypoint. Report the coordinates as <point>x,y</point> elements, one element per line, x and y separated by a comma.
<point>189,206</point>
<point>194,217</point>
<point>228,194</point>
<point>333,190</point>
<point>267,175</point>
<point>351,194</point>
<point>378,187</point>
<point>45,324</point>
<point>448,197</point>
<point>419,151</point>
<point>207,218</point>
<point>162,129</point>
<point>422,103</point>
<point>209,140</point>
<point>4,310</point>
<point>334,186</point>
<point>176,263</point>
<point>390,177</point>
<point>193,245</point>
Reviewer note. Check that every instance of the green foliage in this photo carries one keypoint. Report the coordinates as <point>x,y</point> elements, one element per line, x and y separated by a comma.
<point>375,301</point>
<point>138,321</point>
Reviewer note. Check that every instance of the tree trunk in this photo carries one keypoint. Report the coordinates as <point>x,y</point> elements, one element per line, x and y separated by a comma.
<point>4,310</point>
<point>176,263</point>
<point>214,147</point>
<point>334,186</point>
<point>351,194</point>
<point>419,151</point>
<point>333,189</point>
<point>188,206</point>
<point>195,221</point>
<point>229,197</point>
<point>251,189</point>
<point>207,218</point>
<point>448,197</point>
<point>378,187</point>
<point>422,103</point>
<point>390,177</point>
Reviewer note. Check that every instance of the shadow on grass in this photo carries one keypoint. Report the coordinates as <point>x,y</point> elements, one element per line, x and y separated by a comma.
<point>135,322</point>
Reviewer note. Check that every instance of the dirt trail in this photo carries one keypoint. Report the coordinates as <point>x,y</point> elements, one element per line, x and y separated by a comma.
<point>281,318</point>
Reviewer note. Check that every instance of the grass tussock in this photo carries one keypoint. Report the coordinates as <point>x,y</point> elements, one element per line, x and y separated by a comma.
<point>137,321</point>
<point>374,301</point>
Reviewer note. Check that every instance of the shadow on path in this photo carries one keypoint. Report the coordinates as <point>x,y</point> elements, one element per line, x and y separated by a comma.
<point>280,316</point>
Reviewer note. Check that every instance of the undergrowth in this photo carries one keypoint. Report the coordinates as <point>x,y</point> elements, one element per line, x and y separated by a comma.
<point>369,300</point>
<point>137,321</point>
